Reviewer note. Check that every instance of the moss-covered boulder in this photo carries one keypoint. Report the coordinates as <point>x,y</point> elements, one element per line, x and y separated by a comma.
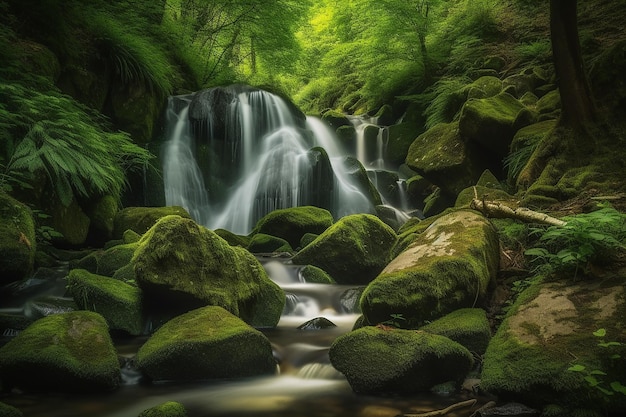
<point>119,303</point>
<point>135,109</point>
<point>17,240</point>
<point>480,192</point>
<point>442,157</point>
<point>492,122</point>
<point>181,265</point>
<point>466,326</point>
<point>262,243</point>
<point>101,213</point>
<point>315,275</point>
<point>523,165</point>
<point>291,224</point>
<point>140,219</point>
<point>385,360</point>
<point>335,119</point>
<point>167,409</point>
<point>353,250</point>
<point>545,351</point>
<point>232,238</point>
<point>65,352</point>
<point>484,87</point>
<point>206,343</point>
<point>114,258</point>
<point>550,103</point>
<point>366,190</point>
<point>399,139</point>
<point>449,266</point>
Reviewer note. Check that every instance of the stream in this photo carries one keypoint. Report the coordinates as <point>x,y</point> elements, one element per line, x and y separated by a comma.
<point>305,383</point>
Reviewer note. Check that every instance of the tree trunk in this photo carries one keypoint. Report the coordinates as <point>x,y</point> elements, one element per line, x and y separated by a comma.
<point>576,100</point>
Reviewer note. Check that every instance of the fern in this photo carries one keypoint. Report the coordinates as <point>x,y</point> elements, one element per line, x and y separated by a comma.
<point>446,98</point>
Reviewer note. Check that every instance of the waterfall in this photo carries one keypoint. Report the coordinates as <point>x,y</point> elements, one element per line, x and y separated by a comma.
<point>234,154</point>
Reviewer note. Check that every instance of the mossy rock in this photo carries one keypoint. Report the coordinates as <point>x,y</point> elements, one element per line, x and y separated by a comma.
<point>529,99</point>
<point>487,179</point>
<point>101,213</point>
<point>140,219</point>
<point>115,258</point>
<point>384,116</point>
<point>71,222</point>
<point>525,142</point>
<point>399,139</point>
<point>232,238</point>
<point>353,250</point>
<point>17,240</point>
<point>119,303</point>
<point>451,265</point>
<point>492,122</point>
<point>358,175</point>
<point>206,343</point>
<point>488,85</point>
<point>335,119</point>
<point>549,103</point>
<point>467,326</point>
<point>68,352</point>
<point>136,109</point>
<point>307,238</point>
<point>262,243</point>
<point>167,409</point>
<point>347,138</point>
<point>7,410</point>
<point>550,329</point>
<point>437,202</point>
<point>442,157</point>
<point>183,265</point>
<point>314,275</point>
<point>291,224</point>
<point>385,360</point>
<point>417,189</point>
<point>130,236</point>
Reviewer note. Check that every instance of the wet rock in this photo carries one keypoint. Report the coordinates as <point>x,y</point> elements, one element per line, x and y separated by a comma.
<point>167,409</point>
<point>317,323</point>
<point>292,224</point>
<point>262,243</point>
<point>384,360</point>
<point>206,343</point>
<point>17,240</point>
<point>353,250</point>
<point>63,352</point>
<point>315,275</point>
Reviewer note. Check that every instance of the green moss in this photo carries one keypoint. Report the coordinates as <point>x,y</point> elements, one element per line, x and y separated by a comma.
<point>188,265</point>
<point>130,236</point>
<point>449,266</point>
<point>115,258</point>
<point>397,361</point>
<point>315,275</point>
<point>353,250</point>
<point>167,409</point>
<point>467,326</point>
<point>205,343</point>
<point>262,243</point>
<point>292,223</point>
<point>119,303</point>
<point>466,196</point>
<point>101,214</point>
<point>17,239</point>
<point>232,238</point>
<point>307,238</point>
<point>69,351</point>
<point>140,219</point>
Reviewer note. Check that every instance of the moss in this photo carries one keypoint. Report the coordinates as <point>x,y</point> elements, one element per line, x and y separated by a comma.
<point>7,410</point>
<point>335,119</point>
<point>17,239</point>
<point>489,85</point>
<point>188,265</point>
<point>130,236</point>
<point>101,214</point>
<point>384,360</point>
<point>315,275</point>
<point>167,409</point>
<point>140,219</point>
<point>68,352</point>
<point>119,303</point>
<point>232,238</point>
<point>206,343</point>
<point>262,243</point>
<point>292,223</point>
<point>115,258</point>
<point>353,250</point>
<point>467,326</point>
<point>450,266</point>
<point>549,103</point>
<point>466,196</point>
<point>307,238</point>
<point>400,136</point>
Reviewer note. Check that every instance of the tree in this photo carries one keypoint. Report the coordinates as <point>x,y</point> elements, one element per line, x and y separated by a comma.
<point>576,99</point>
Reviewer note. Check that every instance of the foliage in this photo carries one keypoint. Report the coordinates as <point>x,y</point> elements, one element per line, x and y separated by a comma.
<point>585,240</point>
<point>56,136</point>
<point>446,99</point>
<point>596,378</point>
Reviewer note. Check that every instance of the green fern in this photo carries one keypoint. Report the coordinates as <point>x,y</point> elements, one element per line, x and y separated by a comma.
<point>446,99</point>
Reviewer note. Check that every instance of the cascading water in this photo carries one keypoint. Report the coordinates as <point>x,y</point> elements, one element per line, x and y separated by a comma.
<point>258,155</point>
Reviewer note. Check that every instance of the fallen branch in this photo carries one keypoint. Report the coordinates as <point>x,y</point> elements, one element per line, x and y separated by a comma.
<point>499,210</point>
<point>444,411</point>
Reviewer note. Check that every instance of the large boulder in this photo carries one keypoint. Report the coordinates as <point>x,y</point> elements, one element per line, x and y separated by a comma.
<point>17,240</point>
<point>442,157</point>
<point>466,326</point>
<point>450,265</point>
<point>119,303</point>
<point>562,344</point>
<point>385,360</point>
<point>140,219</point>
<point>293,223</point>
<point>206,343</point>
<point>353,250</point>
<point>181,265</point>
<point>492,122</point>
<point>65,352</point>
<point>399,139</point>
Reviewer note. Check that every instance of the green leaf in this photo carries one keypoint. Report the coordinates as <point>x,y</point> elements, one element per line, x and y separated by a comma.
<point>618,387</point>
<point>597,372</point>
<point>600,333</point>
<point>592,381</point>
<point>576,368</point>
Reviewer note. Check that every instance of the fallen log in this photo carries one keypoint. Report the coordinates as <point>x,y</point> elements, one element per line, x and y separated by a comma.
<point>500,210</point>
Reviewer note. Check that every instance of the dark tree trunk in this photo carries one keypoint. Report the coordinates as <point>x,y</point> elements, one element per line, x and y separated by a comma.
<point>576,100</point>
